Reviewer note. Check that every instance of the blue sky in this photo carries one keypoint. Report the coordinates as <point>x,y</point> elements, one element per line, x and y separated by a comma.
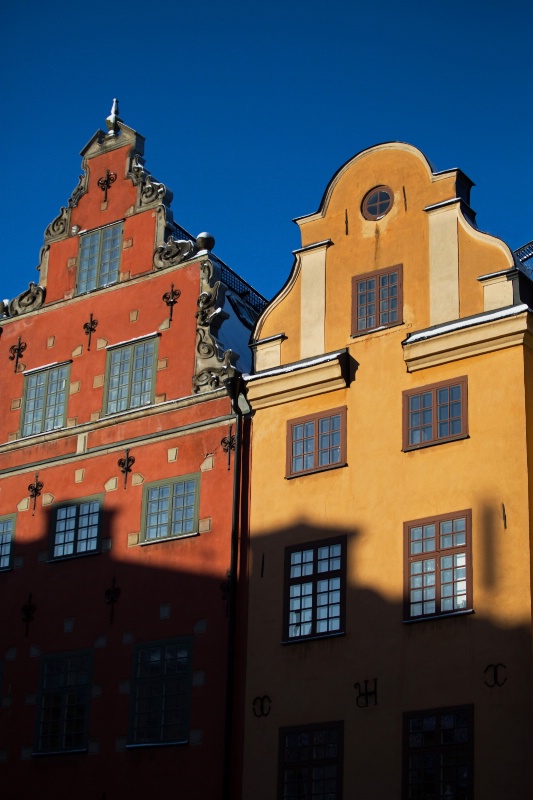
<point>248,109</point>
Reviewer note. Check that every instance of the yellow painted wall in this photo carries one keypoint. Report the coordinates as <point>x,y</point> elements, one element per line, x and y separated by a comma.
<point>434,662</point>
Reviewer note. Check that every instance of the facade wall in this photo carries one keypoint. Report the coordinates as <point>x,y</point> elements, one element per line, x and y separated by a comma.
<point>380,663</point>
<point>143,601</point>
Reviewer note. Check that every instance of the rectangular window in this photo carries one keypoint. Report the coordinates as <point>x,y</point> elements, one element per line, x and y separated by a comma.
<point>311,762</point>
<point>316,442</point>
<point>7,532</point>
<point>161,694</point>
<point>438,558</point>
<point>438,754</point>
<point>63,707</point>
<point>45,400</point>
<point>130,376</point>
<point>76,528</point>
<point>436,413</point>
<point>315,578</point>
<point>377,299</point>
<point>99,258</point>
<point>171,508</point>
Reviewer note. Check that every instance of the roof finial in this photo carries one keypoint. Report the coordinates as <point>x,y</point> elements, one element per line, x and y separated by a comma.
<point>112,120</point>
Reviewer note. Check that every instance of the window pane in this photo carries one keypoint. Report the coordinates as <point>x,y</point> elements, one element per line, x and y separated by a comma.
<point>45,401</point>
<point>6,541</point>
<point>314,604</point>
<point>131,376</point>
<point>64,703</point>
<point>171,510</point>
<point>99,258</point>
<point>161,694</point>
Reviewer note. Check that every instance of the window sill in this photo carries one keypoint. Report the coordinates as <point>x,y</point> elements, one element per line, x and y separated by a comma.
<point>461,613</point>
<point>315,470</point>
<point>156,744</point>
<point>169,538</point>
<point>96,288</point>
<point>77,750</point>
<point>435,442</point>
<point>54,560</point>
<point>335,635</point>
<point>377,329</point>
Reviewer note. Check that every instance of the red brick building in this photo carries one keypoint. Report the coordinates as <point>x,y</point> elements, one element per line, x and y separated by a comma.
<point>119,543</point>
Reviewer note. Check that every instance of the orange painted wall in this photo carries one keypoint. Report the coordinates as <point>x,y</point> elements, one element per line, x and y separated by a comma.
<point>434,662</point>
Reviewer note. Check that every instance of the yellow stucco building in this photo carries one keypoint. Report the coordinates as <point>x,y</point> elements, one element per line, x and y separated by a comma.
<point>389,618</point>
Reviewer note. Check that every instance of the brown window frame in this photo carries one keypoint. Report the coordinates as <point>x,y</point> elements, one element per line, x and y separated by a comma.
<point>434,388</point>
<point>377,275</point>
<point>315,577</point>
<point>437,553</point>
<point>439,752</point>
<point>370,215</point>
<point>316,418</point>
<point>309,765</point>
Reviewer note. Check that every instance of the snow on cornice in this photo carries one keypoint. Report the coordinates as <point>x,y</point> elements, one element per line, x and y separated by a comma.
<point>296,365</point>
<point>468,322</point>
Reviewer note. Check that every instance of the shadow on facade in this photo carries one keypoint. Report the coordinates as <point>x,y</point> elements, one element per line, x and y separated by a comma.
<point>367,677</point>
<point>381,667</point>
<point>107,606</point>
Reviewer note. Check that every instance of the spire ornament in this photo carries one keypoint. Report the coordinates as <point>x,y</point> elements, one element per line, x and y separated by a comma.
<point>112,120</point>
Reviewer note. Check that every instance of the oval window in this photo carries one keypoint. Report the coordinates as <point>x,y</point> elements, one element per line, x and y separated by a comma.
<point>377,202</point>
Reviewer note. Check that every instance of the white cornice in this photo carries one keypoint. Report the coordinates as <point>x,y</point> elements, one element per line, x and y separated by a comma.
<point>301,379</point>
<point>484,333</point>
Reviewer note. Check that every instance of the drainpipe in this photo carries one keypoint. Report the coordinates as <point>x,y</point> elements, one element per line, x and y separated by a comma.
<point>237,397</point>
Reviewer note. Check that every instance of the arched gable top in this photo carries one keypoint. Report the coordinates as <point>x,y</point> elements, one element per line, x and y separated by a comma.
<point>461,182</point>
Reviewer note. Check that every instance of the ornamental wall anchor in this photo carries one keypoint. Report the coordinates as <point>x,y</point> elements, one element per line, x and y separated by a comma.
<point>111,596</point>
<point>228,444</point>
<point>16,351</point>
<point>35,490</point>
<point>171,298</point>
<point>105,182</point>
<point>366,695</point>
<point>89,328</point>
<point>28,612</point>
<point>126,464</point>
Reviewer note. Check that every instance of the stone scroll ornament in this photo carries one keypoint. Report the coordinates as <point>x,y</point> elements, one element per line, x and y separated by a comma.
<point>173,252</point>
<point>150,191</point>
<point>214,367</point>
<point>30,300</point>
<point>59,226</point>
<point>81,188</point>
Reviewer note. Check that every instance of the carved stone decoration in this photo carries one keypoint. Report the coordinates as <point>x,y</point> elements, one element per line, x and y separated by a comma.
<point>173,252</point>
<point>136,172</point>
<point>152,191</point>
<point>42,266</point>
<point>59,226</point>
<point>213,366</point>
<point>30,300</point>
<point>205,345</point>
<point>81,188</point>
<point>206,312</point>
